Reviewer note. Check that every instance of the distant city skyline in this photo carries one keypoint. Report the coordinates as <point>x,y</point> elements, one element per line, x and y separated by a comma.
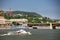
<point>46,8</point>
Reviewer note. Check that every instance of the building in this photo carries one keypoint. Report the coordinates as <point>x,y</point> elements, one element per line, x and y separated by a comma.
<point>10,21</point>
<point>2,20</point>
<point>20,21</point>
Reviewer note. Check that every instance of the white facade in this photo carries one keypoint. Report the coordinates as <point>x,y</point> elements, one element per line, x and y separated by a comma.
<point>6,21</point>
<point>2,21</point>
<point>17,20</point>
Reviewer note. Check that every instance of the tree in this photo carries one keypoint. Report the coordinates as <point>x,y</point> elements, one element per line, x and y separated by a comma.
<point>14,23</point>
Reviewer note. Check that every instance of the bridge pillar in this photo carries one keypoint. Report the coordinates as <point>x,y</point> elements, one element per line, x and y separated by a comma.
<point>51,27</point>
<point>54,27</point>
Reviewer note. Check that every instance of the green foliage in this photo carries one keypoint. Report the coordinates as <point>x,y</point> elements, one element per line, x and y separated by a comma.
<point>31,16</point>
<point>15,23</point>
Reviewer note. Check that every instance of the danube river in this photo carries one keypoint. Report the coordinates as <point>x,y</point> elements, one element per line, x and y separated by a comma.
<point>37,34</point>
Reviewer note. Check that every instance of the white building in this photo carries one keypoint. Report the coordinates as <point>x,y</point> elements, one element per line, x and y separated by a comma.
<point>2,21</point>
<point>7,21</point>
<point>19,20</point>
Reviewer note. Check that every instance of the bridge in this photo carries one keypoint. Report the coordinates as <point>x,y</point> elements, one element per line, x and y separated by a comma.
<point>51,25</point>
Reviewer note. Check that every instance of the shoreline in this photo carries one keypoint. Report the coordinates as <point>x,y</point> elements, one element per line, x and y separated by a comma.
<point>31,28</point>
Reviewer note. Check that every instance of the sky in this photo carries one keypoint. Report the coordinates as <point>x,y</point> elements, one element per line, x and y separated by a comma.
<point>46,8</point>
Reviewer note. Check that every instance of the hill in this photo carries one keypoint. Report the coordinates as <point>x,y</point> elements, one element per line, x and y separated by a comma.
<point>32,17</point>
<point>25,13</point>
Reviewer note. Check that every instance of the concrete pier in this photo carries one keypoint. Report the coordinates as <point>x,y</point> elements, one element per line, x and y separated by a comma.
<point>51,27</point>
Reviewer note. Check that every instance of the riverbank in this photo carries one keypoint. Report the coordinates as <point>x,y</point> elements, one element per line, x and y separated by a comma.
<point>34,27</point>
<point>4,28</point>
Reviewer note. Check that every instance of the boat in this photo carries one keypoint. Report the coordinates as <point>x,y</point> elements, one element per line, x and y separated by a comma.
<point>23,32</point>
<point>19,32</point>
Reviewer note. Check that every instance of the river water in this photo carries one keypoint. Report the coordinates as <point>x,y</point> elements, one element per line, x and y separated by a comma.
<point>37,34</point>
